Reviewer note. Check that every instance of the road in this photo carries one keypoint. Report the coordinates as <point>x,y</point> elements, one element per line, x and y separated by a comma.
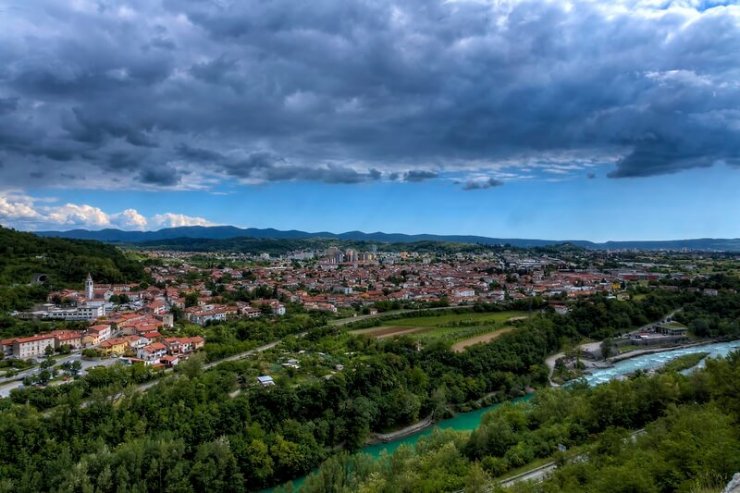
<point>537,474</point>
<point>17,381</point>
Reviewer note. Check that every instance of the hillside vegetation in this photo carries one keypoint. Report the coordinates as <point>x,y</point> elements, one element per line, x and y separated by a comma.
<point>63,262</point>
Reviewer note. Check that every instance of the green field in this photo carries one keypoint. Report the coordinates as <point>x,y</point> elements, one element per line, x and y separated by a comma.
<point>449,327</point>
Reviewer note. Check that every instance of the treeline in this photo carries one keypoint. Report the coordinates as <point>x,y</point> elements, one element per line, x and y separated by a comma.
<point>678,452</point>
<point>713,316</point>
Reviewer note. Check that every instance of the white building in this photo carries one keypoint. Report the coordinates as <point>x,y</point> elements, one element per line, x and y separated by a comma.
<point>89,288</point>
<point>86,312</point>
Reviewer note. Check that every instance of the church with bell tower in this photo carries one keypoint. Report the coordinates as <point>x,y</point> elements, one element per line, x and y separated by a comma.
<point>89,288</point>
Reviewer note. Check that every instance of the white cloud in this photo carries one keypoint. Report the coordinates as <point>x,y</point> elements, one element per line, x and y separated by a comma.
<point>78,215</point>
<point>16,208</point>
<point>171,220</point>
<point>130,219</point>
<point>23,211</point>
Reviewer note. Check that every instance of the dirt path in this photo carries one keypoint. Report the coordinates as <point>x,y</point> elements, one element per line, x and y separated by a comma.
<point>404,331</point>
<point>385,331</point>
<point>460,346</point>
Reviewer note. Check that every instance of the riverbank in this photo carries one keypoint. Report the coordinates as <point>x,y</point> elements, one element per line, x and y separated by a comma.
<point>377,438</point>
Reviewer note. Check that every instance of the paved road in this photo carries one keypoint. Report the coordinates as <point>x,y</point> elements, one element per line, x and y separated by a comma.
<point>537,474</point>
<point>24,373</point>
<point>17,381</point>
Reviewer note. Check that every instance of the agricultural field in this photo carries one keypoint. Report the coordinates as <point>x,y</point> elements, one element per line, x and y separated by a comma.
<point>460,330</point>
<point>461,346</point>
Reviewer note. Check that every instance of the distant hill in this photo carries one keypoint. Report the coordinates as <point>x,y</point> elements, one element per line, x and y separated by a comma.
<point>24,256</point>
<point>231,232</point>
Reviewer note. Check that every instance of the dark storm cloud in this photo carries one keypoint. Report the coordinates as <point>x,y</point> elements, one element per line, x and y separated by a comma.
<point>419,175</point>
<point>8,104</point>
<point>198,154</point>
<point>267,166</point>
<point>165,176</point>
<point>482,184</point>
<point>184,92</point>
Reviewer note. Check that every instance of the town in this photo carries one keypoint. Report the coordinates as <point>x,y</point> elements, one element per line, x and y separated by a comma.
<point>127,320</point>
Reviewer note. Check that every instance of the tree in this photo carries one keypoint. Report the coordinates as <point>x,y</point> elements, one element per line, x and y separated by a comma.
<point>44,377</point>
<point>607,347</point>
<point>477,480</point>
<point>193,366</point>
<point>215,468</point>
<point>191,299</point>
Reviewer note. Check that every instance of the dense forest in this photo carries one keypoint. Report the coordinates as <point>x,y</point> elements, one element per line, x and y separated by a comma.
<point>23,256</point>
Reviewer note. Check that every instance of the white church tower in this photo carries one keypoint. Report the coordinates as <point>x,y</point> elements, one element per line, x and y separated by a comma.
<point>89,288</point>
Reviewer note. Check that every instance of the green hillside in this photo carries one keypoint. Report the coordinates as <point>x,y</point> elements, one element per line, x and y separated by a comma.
<point>64,262</point>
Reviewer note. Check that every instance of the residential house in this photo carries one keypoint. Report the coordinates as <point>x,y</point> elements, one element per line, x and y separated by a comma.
<point>33,346</point>
<point>117,346</point>
<point>152,353</point>
<point>71,338</point>
<point>97,334</point>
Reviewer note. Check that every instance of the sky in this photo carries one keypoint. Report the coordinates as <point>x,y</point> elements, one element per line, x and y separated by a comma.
<point>578,119</point>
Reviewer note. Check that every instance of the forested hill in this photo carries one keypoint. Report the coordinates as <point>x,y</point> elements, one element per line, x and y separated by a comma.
<point>23,255</point>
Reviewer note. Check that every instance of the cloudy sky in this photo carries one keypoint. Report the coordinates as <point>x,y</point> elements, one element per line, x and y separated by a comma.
<point>553,119</point>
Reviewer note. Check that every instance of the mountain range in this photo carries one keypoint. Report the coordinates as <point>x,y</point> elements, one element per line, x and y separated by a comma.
<point>229,232</point>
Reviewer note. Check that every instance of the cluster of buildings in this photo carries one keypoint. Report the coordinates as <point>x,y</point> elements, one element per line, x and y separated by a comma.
<point>152,348</point>
<point>132,329</point>
<point>40,344</point>
<point>349,279</point>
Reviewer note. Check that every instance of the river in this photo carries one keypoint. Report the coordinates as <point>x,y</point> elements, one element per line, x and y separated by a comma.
<point>471,420</point>
<point>656,360</point>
